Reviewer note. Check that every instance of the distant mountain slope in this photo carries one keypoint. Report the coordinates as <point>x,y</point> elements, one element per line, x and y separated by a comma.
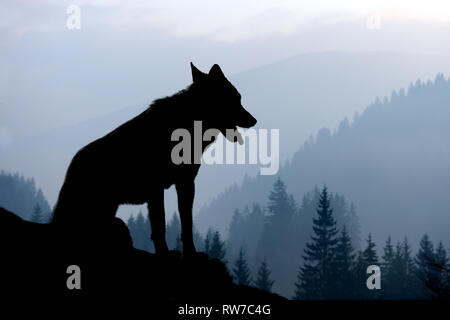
<point>393,161</point>
<point>21,195</point>
<point>302,94</point>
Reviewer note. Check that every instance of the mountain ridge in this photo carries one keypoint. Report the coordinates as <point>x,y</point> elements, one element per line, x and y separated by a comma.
<point>416,157</point>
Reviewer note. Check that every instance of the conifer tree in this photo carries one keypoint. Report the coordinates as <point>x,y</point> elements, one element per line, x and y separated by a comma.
<point>388,278</point>
<point>132,227</point>
<point>343,264</point>
<point>315,278</point>
<point>264,281</point>
<point>130,223</point>
<point>235,223</point>
<point>441,288</point>
<point>370,254</point>
<point>304,287</point>
<point>402,284</point>
<point>215,247</point>
<point>241,270</point>
<point>142,233</point>
<point>353,226</point>
<point>360,276</point>
<point>199,241</point>
<point>279,232</point>
<point>388,255</point>
<point>48,217</point>
<point>369,257</point>
<point>441,256</point>
<point>407,258</point>
<point>281,208</point>
<point>398,269</point>
<point>178,244</point>
<point>173,231</point>
<point>409,283</point>
<point>424,265</point>
<point>207,243</point>
<point>37,215</point>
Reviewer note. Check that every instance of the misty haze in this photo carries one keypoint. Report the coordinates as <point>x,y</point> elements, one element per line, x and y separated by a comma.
<point>362,110</point>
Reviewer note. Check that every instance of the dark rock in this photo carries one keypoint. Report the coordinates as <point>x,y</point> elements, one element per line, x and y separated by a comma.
<point>35,258</point>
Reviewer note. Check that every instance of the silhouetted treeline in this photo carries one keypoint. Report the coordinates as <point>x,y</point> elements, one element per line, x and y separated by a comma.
<point>332,264</point>
<point>313,251</point>
<point>21,196</point>
<point>333,269</point>
<point>278,231</point>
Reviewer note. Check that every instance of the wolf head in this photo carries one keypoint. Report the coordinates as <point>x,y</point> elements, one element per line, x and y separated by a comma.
<point>222,108</point>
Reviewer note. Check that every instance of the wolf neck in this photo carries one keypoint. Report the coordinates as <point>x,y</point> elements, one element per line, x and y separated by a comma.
<point>182,108</point>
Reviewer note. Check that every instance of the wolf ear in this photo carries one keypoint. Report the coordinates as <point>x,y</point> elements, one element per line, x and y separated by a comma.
<point>216,72</point>
<point>197,75</point>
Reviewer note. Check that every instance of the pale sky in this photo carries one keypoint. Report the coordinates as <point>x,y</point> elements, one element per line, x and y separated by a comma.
<point>136,50</point>
<point>230,20</point>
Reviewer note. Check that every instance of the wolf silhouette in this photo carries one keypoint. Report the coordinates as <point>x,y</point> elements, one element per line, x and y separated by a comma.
<point>133,165</point>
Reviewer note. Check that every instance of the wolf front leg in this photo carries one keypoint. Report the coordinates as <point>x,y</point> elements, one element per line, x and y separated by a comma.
<point>185,193</point>
<point>157,219</point>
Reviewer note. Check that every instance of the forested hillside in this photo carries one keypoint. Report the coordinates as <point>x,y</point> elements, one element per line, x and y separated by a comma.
<point>21,196</point>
